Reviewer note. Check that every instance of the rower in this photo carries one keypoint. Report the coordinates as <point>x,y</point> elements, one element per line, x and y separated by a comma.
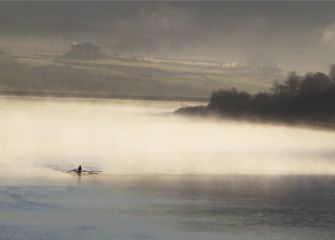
<point>79,170</point>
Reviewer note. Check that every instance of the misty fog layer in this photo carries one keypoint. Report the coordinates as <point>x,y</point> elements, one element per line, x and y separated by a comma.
<point>144,137</point>
<point>293,35</point>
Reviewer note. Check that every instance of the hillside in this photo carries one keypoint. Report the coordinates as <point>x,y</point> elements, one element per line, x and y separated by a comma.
<point>115,76</point>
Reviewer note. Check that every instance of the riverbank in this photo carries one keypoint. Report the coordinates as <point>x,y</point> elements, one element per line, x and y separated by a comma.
<point>77,95</point>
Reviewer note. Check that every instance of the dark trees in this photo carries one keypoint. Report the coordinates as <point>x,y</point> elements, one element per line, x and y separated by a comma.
<point>298,98</point>
<point>315,82</point>
<point>230,101</point>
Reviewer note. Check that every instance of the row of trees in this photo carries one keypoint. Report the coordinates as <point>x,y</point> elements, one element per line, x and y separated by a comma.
<point>309,84</point>
<point>298,98</point>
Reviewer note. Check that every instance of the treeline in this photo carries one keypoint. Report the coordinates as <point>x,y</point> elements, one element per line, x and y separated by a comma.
<point>299,98</point>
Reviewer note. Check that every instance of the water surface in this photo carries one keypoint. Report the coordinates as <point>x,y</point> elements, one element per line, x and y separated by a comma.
<point>164,176</point>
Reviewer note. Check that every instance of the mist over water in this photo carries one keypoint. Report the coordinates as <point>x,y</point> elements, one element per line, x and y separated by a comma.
<point>144,137</point>
<point>145,152</point>
<point>162,176</point>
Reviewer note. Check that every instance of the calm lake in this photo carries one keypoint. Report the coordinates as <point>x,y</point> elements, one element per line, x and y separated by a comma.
<point>164,176</point>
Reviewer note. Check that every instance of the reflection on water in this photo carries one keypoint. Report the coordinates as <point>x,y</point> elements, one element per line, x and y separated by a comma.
<point>170,207</point>
<point>187,178</point>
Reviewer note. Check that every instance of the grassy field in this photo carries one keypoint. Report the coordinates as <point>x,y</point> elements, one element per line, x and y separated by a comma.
<point>119,76</point>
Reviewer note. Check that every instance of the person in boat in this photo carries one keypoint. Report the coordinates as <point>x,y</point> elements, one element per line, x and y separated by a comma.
<point>79,170</point>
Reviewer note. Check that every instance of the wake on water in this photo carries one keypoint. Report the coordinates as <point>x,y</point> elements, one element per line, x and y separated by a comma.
<point>52,136</point>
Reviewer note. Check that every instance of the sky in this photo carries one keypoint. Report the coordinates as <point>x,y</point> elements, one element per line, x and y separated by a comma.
<point>293,35</point>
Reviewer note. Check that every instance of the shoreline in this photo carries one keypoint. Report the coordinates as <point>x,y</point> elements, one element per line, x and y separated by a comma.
<point>88,96</point>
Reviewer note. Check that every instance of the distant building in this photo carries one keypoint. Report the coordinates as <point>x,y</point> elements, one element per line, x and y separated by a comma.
<point>84,50</point>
